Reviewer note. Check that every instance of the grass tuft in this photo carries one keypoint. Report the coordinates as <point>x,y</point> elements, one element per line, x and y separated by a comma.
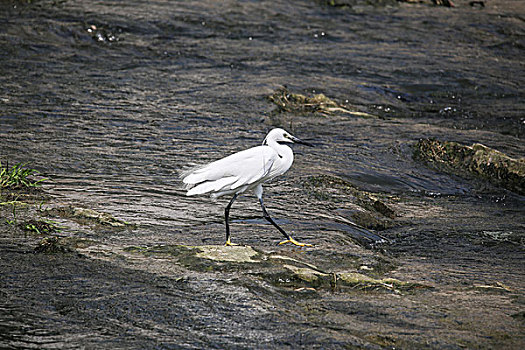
<point>40,226</point>
<point>18,177</point>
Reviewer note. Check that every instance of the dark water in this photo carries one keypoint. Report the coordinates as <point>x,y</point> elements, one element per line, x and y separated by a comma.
<point>112,99</point>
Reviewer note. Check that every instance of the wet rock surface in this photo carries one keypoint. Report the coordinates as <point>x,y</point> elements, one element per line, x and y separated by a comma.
<point>51,245</point>
<point>111,100</point>
<point>318,105</point>
<point>87,216</point>
<point>279,270</point>
<point>477,160</point>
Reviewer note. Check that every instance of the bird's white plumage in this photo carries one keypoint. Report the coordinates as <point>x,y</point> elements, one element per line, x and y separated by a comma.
<point>246,170</point>
<point>243,170</point>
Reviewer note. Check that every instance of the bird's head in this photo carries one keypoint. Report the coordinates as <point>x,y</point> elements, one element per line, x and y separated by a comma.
<point>282,136</point>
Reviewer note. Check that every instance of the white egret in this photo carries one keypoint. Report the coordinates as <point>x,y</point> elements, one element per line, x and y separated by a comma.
<point>244,171</point>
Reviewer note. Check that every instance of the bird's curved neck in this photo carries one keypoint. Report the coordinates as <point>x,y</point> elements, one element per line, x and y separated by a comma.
<point>281,149</point>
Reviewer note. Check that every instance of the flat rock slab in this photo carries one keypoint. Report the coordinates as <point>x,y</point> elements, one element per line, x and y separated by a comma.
<point>277,269</point>
<point>239,254</point>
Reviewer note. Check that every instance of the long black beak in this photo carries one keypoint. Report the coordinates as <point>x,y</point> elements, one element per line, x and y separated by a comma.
<point>297,140</point>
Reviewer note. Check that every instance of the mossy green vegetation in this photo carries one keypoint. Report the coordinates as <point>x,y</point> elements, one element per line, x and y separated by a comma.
<point>18,177</point>
<point>40,226</point>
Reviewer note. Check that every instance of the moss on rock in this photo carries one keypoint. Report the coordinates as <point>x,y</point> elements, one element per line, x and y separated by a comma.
<point>276,269</point>
<point>477,159</point>
<point>319,104</point>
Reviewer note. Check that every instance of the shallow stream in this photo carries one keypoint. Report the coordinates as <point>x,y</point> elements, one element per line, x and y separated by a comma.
<point>111,100</point>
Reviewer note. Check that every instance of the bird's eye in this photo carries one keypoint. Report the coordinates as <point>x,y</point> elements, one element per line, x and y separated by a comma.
<point>285,135</point>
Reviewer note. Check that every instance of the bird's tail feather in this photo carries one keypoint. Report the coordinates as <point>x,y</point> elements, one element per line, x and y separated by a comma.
<point>186,174</point>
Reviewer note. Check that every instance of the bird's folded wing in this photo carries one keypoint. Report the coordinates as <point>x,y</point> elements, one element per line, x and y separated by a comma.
<point>239,169</point>
<point>211,186</point>
<point>248,178</point>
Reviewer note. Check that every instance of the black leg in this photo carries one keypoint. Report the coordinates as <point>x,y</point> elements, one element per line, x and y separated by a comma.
<point>270,220</point>
<point>289,238</point>
<point>226,215</point>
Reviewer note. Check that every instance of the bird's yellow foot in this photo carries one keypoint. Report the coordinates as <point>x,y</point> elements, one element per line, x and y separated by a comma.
<point>229,243</point>
<point>293,241</point>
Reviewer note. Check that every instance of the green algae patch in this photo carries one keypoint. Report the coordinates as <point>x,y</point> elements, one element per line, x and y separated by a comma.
<point>477,160</point>
<point>318,104</point>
